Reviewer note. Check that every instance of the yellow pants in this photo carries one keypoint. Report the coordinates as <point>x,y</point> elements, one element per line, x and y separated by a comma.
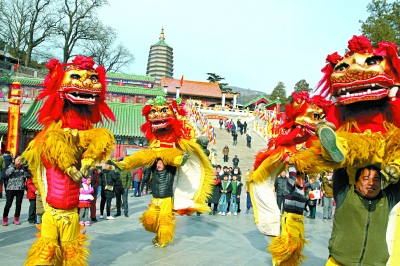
<point>60,241</point>
<point>159,219</point>
<point>287,247</point>
<point>332,262</point>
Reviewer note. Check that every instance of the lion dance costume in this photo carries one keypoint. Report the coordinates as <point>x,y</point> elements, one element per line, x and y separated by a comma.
<point>75,94</point>
<point>363,124</point>
<point>171,139</point>
<point>302,117</point>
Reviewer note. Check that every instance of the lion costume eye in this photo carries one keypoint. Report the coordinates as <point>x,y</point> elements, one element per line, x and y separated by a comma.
<point>316,116</point>
<point>94,78</point>
<point>374,60</point>
<point>342,67</point>
<point>75,76</point>
<point>164,110</point>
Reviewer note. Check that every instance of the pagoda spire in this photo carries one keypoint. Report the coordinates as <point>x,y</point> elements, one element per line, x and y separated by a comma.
<point>162,38</point>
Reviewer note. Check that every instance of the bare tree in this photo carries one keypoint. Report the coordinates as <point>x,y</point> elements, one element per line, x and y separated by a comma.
<point>106,53</point>
<point>79,23</point>
<point>26,24</point>
<point>14,17</point>
<point>42,25</point>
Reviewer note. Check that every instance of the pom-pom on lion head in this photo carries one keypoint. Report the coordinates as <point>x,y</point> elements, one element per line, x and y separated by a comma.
<point>78,86</point>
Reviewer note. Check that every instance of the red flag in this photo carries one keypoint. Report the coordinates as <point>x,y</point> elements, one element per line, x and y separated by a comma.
<point>181,82</point>
<point>16,67</point>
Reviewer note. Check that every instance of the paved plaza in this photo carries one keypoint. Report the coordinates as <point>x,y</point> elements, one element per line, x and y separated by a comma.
<point>199,240</point>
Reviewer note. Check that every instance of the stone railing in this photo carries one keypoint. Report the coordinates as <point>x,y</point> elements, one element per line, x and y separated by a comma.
<point>6,68</point>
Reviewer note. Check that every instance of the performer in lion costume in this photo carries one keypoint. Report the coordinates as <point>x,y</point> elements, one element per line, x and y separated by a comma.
<point>172,140</point>
<point>302,117</point>
<point>62,153</point>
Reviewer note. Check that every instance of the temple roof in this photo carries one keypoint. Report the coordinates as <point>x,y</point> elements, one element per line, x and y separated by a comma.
<point>116,75</point>
<point>129,119</point>
<point>263,96</point>
<point>126,89</point>
<point>130,90</point>
<point>38,82</point>
<point>194,88</point>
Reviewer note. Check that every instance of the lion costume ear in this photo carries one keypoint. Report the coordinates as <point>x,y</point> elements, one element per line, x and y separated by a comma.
<point>53,78</point>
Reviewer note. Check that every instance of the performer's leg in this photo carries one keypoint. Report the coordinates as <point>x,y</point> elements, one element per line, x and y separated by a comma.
<point>73,243</point>
<point>166,228</point>
<point>149,218</point>
<point>46,249</point>
<point>287,247</point>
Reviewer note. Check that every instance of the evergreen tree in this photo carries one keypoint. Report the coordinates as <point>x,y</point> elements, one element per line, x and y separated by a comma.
<point>383,23</point>
<point>279,93</point>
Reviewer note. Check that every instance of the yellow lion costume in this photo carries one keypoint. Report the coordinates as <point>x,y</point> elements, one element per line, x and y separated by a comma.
<point>75,101</point>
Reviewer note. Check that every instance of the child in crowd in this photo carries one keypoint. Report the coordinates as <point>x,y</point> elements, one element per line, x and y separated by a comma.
<point>85,198</point>
<point>31,196</point>
<point>226,189</point>
<point>235,197</point>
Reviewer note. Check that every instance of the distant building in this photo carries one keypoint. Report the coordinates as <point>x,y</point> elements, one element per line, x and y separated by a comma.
<point>161,60</point>
<point>205,92</point>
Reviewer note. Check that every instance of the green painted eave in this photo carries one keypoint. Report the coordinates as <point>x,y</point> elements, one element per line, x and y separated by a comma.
<point>263,96</point>
<point>161,43</point>
<point>272,103</point>
<point>130,90</point>
<point>116,75</point>
<point>3,128</point>
<point>129,119</point>
<point>24,81</point>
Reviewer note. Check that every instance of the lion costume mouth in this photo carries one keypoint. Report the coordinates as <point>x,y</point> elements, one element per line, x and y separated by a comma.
<point>77,96</point>
<point>157,124</point>
<point>361,92</point>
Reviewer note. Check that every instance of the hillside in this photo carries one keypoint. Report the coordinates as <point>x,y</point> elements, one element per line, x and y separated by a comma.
<point>246,95</point>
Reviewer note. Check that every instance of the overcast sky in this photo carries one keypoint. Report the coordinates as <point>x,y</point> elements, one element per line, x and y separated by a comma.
<point>253,44</point>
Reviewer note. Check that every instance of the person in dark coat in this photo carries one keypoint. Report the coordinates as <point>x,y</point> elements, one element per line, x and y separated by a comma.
<point>146,180</point>
<point>17,174</point>
<point>95,174</point>
<point>216,193</point>
<point>8,159</point>
<point>245,126</point>
<point>109,177</point>
<point>280,188</point>
<point>240,126</point>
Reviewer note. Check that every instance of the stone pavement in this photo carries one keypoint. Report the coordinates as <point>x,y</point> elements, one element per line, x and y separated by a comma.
<point>199,240</point>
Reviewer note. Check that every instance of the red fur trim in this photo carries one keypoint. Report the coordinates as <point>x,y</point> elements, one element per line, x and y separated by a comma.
<point>146,110</point>
<point>324,84</point>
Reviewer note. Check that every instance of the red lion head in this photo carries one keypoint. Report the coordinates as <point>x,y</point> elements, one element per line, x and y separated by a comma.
<point>162,119</point>
<point>74,89</point>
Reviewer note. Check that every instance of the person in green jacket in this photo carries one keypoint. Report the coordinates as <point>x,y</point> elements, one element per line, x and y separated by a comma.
<point>361,218</point>
<point>126,177</point>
